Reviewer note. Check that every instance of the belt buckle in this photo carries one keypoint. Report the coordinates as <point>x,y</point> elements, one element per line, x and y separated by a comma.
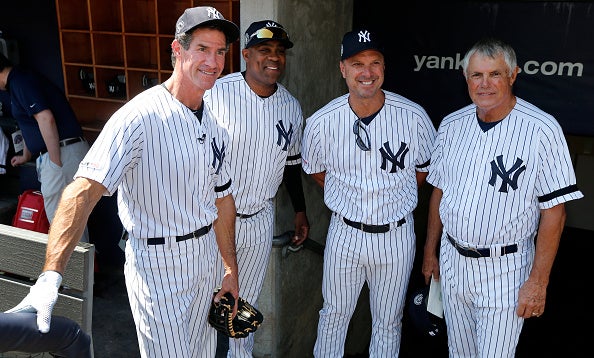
<point>194,235</point>
<point>474,250</point>
<point>466,248</point>
<point>469,250</point>
<point>361,226</point>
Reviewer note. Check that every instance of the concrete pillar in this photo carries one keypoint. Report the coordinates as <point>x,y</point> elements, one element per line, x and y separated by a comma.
<point>290,301</point>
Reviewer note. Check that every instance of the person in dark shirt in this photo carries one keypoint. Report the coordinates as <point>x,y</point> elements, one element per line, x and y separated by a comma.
<point>49,128</point>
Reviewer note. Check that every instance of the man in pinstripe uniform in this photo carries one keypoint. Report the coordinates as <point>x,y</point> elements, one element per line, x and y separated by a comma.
<point>165,155</point>
<point>370,150</point>
<point>265,124</point>
<point>501,173</point>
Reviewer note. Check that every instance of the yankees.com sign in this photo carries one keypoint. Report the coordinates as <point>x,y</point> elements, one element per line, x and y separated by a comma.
<point>553,43</point>
<point>532,67</point>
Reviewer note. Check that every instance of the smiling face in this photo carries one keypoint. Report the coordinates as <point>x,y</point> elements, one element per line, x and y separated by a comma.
<point>204,60</point>
<point>364,73</point>
<point>265,63</point>
<point>490,84</point>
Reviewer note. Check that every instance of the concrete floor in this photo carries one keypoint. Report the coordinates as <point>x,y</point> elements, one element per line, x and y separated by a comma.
<point>114,334</point>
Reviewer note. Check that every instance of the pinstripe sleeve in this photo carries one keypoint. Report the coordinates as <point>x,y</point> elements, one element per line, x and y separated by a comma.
<point>224,184</point>
<point>311,149</point>
<point>426,134</point>
<point>118,146</point>
<point>434,177</point>
<point>556,181</point>
<point>294,151</point>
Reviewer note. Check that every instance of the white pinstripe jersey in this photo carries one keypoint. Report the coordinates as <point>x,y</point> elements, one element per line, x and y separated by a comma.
<point>494,183</point>
<point>375,187</point>
<point>265,135</point>
<point>153,152</point>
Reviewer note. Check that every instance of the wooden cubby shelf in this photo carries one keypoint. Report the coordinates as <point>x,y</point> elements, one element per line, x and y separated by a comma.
<point>114,49</point>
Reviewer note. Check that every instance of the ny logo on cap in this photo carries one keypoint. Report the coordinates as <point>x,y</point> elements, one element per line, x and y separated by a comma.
<point>214,13</point>
<point>364,36</point>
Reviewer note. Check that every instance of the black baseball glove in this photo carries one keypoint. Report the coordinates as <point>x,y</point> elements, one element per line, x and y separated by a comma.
<point>247,320</point>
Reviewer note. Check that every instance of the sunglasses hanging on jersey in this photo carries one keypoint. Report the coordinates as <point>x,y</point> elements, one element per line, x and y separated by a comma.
<point>363,142</point>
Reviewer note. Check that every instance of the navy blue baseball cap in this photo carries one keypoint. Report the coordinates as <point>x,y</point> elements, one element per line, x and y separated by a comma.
<point>266,30</point>
<point>356,41</point>
<point>203,16</point>
<point>424,322</point>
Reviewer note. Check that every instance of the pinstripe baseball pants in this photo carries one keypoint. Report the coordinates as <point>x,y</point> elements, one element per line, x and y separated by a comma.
<point>480,297</point>
<point>170,288</point>
<point>352,257</point>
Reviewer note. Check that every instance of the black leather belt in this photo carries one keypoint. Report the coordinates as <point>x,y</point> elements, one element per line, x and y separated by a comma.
<point>65,142</point>
<point>472,252</point>
<point>374,229</point>
<point>193,235</point>
<point>245,216</point>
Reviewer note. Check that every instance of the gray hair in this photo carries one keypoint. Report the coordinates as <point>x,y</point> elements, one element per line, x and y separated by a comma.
<point>491,47</point>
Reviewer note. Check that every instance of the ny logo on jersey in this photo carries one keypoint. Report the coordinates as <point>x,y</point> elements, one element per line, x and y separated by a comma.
<point>218,154</point>
<point>397,159</point>
<point>498,169</point>
<point>364,36</point>
<point>283,134</point>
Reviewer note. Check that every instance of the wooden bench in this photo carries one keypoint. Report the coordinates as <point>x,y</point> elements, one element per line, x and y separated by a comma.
<point>22,256</point>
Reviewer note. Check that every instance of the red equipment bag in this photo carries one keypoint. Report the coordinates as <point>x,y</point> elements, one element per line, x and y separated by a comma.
<point>30,212</point>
